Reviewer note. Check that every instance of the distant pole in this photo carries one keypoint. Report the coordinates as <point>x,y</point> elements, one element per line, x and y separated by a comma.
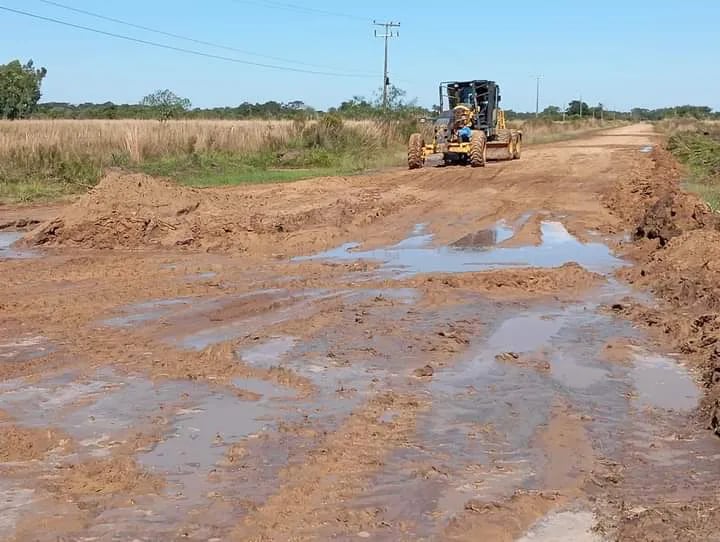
<point>388,26</point>
<point>581,111</point>
<point>537,96</point>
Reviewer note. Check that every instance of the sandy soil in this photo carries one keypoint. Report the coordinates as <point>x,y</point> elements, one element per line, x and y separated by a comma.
<point>526,351</point>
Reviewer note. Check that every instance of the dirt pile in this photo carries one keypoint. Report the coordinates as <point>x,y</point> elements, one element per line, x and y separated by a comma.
<point>566,280</point>
<point>134,211</point>
<point>125,210</point>
<point>677,247</point>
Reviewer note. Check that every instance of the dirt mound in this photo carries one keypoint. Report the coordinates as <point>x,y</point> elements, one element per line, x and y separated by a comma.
<point>567,279</point>
<point>677,246</point>
<point>134,211</point>
<point>653,204</point>
<point>125,210</point>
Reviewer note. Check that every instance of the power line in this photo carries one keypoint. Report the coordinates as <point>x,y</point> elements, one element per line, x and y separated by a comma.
<point>388,26</point>
<point>178,49</point>
<point>176,36</point>
<point>302,9</point>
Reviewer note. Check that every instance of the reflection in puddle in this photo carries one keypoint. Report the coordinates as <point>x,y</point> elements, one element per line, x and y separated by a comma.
<point>414,255</point>
<point>7,239</point>
<point>485,238</point>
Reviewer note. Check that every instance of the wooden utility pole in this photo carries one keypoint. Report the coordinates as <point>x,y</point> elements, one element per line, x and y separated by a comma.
<point>389,33</point>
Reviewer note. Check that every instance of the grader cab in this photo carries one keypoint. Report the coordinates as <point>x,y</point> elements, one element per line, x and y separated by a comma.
<point>470,128</point>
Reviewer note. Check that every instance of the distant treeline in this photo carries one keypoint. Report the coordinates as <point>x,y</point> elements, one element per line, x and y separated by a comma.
<point>356,108</point>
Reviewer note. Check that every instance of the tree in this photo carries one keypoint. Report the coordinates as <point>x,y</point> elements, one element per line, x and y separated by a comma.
<point>167,104</point>
<point>19,89</point>
<point>552,112</point>
<point>576,107</point>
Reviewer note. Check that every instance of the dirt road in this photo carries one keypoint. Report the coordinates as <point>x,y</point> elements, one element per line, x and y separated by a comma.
<point>443,354</point>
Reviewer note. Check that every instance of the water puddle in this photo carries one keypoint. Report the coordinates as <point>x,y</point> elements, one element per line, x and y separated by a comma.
<point>263,388</point>
<point>145,312</point>
<point>269,352</point>
<point>25,349</point>
<point>98,412</point>
<point>661,382</point>
<point>646,149</point>
<point>564,527</point>
<point>477,253</point>
<point>479,439</point>
<point>13,500</point>
<point>7,239</point>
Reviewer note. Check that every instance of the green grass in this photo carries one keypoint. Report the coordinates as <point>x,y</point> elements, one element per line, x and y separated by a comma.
<point>700,152</point>
<point>226,169</point>
<point>708,192</point>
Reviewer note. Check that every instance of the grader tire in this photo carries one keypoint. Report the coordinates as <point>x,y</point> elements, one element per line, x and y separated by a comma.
<point>415,151</point>
<point>517,147</point>
<point>478,150</point>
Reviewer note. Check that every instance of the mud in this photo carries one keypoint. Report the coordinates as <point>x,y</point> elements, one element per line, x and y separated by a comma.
<point>443,354</point>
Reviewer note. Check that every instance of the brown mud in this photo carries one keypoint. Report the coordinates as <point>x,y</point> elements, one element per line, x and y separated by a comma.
<point>442,354</point>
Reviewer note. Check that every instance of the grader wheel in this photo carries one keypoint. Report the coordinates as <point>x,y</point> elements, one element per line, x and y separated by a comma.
<point>478,149</point>
<point>415,151</point>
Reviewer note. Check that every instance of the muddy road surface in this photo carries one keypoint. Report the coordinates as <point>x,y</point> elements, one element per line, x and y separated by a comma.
<point>441,354</point>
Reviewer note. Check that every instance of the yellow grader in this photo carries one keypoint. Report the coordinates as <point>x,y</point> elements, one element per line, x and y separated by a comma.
<point>470,130</point>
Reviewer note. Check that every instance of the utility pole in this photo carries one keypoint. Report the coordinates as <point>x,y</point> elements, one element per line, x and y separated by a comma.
<point>537,96</point>
<point>388,27</point>
<point>581,107</point>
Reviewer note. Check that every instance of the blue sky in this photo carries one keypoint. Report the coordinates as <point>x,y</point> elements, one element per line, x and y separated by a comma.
<point>623,54</point>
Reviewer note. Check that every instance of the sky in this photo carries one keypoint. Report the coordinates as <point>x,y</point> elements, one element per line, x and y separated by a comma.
<point>622,54</point>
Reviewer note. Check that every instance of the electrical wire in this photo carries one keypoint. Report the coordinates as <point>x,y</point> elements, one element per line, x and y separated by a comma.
<point>179,36</point>
<point>302,9</point>
<point>179,49</point>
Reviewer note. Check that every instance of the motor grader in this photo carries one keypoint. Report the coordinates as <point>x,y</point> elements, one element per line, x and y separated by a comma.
<point>470,128</point>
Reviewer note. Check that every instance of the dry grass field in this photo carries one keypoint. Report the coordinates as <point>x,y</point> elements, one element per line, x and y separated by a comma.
<point>46,159</point>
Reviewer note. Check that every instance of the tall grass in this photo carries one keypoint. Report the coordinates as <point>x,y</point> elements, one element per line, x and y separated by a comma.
<point>697,145</point>
<point>66,156</point>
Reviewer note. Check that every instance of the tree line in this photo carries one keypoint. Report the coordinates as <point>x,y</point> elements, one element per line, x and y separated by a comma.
<point>20,93</point>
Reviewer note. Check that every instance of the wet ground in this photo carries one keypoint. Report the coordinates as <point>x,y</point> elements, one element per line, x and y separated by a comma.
<point>460,378</point>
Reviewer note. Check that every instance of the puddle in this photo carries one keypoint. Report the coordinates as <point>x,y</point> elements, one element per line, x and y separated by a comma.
<point>203,433</point>
<point>145,312</point>
<point>564,527</point>
<point>646,149</point>
<point>7,239</point>
<point>268,353</point>
<point>267,390</point>
<point>13,499</point>
<point>275,310</point>
<point>414,255</point>
<point>661,382</point>
<point>25,349</point>
<point>524,333</point>
<point>97,411</point>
